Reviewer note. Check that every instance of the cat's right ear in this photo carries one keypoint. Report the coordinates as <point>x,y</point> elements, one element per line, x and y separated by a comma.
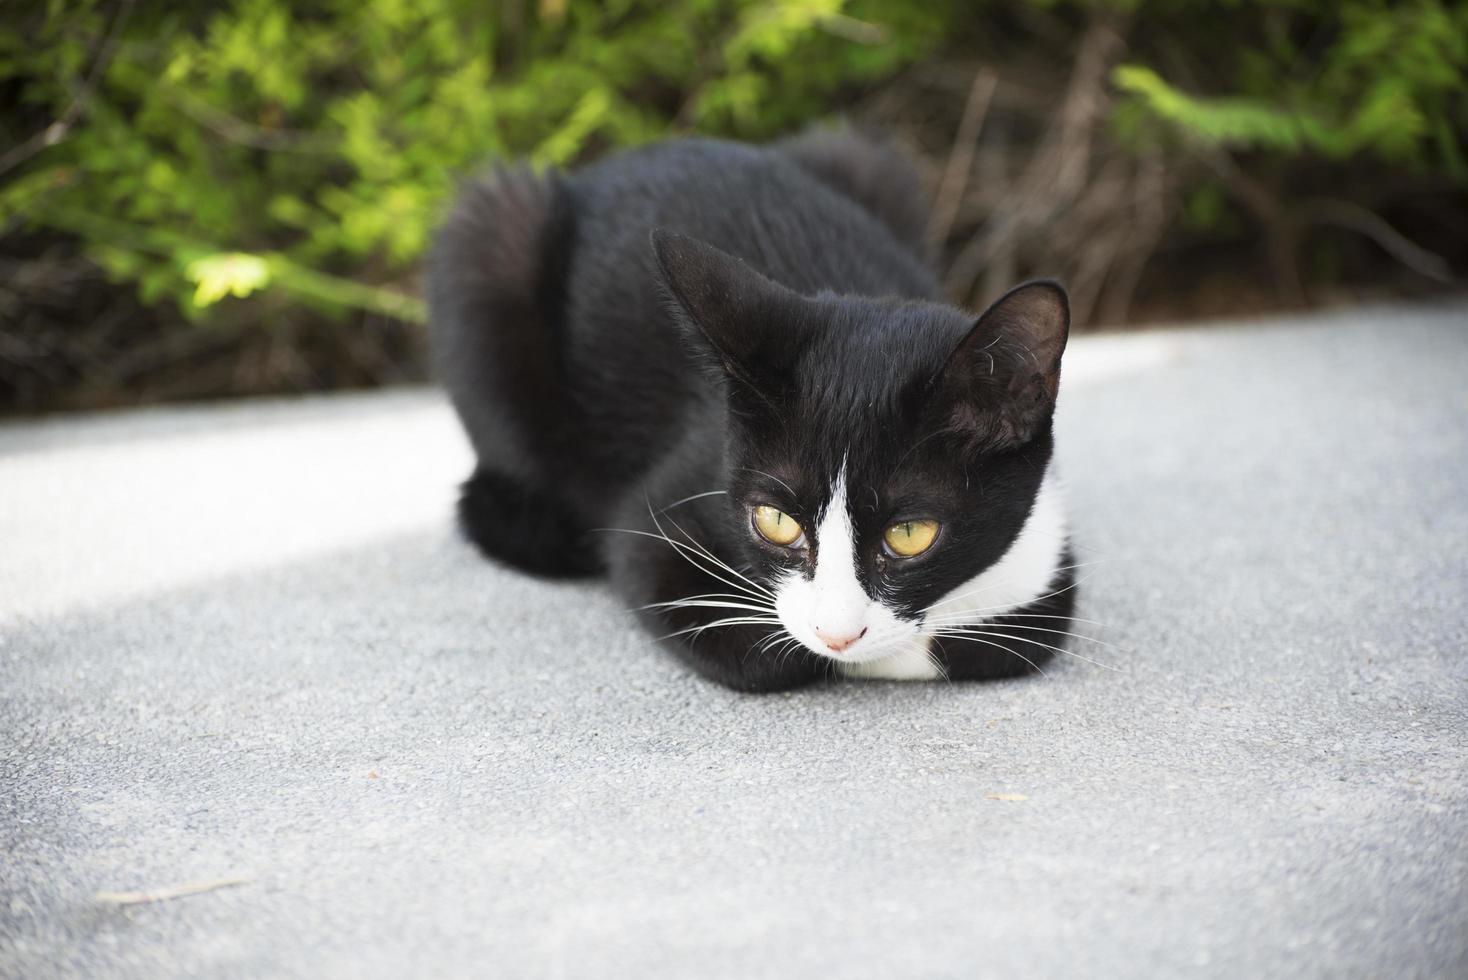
<point>1002,379</point>
<point>728,307</point>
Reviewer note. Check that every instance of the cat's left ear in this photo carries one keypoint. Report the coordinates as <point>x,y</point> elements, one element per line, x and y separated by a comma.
<point>1003,377</point>
<point>728,306</point>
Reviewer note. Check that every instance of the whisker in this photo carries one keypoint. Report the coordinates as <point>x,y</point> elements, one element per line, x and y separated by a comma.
<point>750,469</point>
<point>714,605</point>
<point>731,621</point>
<point>937,664</point>
<point>1038,629</point>
<point>768,643</point>
<point>971,634</point>
<point>694,542</point>
<point>707,595</point>
<point>706,553</point>
<point>788,649</point>
<point>966,618</point>
<point>1000,646</point>
<point>683,550</point>
<point>777,639</point>
<point>696,496</point>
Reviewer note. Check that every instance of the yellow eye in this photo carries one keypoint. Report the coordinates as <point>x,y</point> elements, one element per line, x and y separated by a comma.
<point>776,526</point>
<point>911,538</point>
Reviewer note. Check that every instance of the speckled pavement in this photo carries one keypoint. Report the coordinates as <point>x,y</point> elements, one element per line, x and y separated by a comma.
<point>243,643</point>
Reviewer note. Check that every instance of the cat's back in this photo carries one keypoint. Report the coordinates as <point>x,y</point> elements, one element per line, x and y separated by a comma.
<point>803,212</point>
<point>549,329</point>
<point>807,222</point>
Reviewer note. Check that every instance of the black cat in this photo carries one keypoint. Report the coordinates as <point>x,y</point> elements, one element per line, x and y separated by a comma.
<point>723,376</point>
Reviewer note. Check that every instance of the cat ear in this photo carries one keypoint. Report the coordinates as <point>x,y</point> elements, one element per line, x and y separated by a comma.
<point>1002,378</point>
<point>732,308</point>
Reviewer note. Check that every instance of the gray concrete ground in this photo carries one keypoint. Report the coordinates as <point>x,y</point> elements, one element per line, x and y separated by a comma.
<point>244,642</point>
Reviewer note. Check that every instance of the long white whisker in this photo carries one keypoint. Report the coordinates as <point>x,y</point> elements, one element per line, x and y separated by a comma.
<point>704,595</point>
<point>778,638</point>
<point>772,476</point>
<point>731,621</point>
<point>696,496</point>
<point>1000,646</point>
<point>713,600</point>
<point>1036,629</point>
<point>971,634</point>
<point>683,550</point>
<point>705,552</point>
<point>786,651</point>
<point>963,618</point>
<point>937,664</point>
<point>714,605</point>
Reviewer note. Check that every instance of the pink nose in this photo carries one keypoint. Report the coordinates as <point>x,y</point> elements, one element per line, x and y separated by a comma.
<point>835,642</point>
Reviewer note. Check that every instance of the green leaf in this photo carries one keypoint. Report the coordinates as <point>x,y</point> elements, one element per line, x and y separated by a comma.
<point>227,274</point>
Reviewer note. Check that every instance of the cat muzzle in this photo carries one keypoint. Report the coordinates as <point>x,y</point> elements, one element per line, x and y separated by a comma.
<point>836,642</point>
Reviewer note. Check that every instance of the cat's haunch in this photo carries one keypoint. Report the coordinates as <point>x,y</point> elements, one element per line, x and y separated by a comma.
<point>723,376</point>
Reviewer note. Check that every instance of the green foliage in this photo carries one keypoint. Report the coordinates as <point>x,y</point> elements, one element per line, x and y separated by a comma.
<point>225,149</point>
<point>300,151</point>
<point>1363,77</point>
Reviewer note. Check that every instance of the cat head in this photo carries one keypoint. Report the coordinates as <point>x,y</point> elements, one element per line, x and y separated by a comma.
<point>886,458</point>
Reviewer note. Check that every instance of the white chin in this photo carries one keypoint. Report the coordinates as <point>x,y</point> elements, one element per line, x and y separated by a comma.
<point>857,653</point>
<point>906,662</point>
<point>850,657</point>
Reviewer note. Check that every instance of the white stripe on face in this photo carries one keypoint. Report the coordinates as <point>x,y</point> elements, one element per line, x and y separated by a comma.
<point>1023,574</point>
<point>830,612</point>
<point>840,605</point>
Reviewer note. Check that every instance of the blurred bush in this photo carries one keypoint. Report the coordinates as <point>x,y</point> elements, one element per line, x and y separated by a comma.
<point>232,197</point>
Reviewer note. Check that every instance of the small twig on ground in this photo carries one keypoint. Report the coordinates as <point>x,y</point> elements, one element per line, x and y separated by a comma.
<point>169,892</point>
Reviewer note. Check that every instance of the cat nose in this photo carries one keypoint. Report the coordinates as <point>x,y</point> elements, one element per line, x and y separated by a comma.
<point>837,642</point>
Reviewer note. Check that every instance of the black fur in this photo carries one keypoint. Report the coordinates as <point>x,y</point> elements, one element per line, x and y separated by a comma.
<point>1028,650</point>
<point>548,539</point>
<point>612,360</point>
<point>869,169</point>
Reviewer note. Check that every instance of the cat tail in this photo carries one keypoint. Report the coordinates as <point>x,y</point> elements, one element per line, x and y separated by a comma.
<point>495,278</point>
<point>869,167</point>
<point>496,285</point>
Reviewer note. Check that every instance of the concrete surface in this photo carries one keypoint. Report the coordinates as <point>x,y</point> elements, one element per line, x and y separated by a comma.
<point>243,642</point>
